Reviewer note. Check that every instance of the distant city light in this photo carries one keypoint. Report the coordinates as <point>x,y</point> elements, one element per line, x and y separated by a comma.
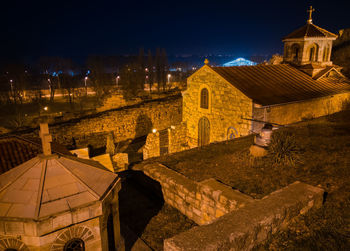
<point>154,130</point>
<point>169,75</point>
<point>45,108</point>
<point>239,62</point>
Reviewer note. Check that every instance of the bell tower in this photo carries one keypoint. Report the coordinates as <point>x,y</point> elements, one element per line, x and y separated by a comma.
<point>309,46</point>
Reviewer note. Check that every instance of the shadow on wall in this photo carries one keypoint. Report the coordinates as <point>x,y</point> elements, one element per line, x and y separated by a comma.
<point>143,127</point>
<point>140,199</point>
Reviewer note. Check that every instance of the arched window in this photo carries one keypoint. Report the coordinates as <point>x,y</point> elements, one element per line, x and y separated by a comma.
<point>313,53</point>
<point>75,244</point>
<point>204,102</point>
<point>295,52</point>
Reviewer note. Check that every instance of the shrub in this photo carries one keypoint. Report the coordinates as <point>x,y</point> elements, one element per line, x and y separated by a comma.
<point>283,148</point>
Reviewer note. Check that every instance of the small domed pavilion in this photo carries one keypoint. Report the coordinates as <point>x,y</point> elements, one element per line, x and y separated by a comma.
<point>56,202</point>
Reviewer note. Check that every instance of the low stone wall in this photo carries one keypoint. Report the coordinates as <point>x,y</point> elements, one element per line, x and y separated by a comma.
<point>294,112</point>
<point>202,202</point>
<point>152,146</point>
<point>178,138</point>
<point>248,226</point>
<point>125,123</point>
<point>177,141</point>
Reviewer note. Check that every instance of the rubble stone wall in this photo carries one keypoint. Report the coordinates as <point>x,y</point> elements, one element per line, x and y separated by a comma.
<point>202,202</point>
<point>294,112</point>
<point>178,138</point>
<point>177,141</point>
<point>152,146</point>
<point>125,123</point>
<point>227,107</point>
<point>251,225</point>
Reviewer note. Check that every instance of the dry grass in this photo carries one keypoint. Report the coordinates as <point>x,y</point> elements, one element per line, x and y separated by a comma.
<point>323,160</point>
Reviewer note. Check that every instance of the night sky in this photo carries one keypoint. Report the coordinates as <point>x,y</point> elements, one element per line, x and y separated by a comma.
<point>30,29</point>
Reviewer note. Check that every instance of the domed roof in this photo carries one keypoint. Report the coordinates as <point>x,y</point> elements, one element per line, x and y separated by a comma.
<point>50,184</point>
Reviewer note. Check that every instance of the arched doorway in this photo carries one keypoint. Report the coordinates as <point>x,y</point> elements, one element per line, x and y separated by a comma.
<point>203,132</point>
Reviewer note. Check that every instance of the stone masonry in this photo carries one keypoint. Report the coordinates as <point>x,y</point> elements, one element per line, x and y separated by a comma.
<point>177,141</point>
<point>202,202</point>
<point>244,228</point>
<point>298,111</point>
<point>125,123</point>
<point>227,106</point>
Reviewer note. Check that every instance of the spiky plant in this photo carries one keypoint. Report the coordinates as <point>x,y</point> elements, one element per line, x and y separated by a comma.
<point>283,148</point>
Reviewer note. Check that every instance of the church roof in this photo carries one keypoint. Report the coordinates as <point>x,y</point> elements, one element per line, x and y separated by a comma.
<point>47,185</point>
<point>277,84</point>
<point>310,30</point>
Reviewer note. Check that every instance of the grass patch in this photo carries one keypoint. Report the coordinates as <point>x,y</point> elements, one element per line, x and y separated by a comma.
<point>323,159</point>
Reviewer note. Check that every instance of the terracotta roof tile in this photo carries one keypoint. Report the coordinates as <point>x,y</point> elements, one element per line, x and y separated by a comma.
<point>276,84</point>
<point>15,150</point>
<point>310,30</point>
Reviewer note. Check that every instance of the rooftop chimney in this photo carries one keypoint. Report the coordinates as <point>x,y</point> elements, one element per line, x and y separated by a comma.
<point>46,139</point>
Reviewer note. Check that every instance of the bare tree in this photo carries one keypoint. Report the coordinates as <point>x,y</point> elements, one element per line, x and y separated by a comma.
<point>158,65</point>
<point>98,76</point>
<point>150,67</point>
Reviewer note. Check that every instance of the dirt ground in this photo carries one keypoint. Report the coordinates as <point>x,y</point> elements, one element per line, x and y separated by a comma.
<point>323,160</point>
<point>148,217</point>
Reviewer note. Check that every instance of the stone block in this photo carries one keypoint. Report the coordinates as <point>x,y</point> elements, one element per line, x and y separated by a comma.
<point>121,160</point>
<point>197,212</point>
<point>219,213</point>
<point>257,151</point>
<point>223,200</point>
<point>250,225</point>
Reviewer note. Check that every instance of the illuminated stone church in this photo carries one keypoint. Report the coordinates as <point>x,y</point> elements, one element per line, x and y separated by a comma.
<point>222,103</point>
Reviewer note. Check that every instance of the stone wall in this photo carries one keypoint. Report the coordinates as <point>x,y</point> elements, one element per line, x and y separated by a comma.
<point>177,141</point>
<point>178,138</point>
<point>251,225</point>
<point>227,105</point>
<point>152,146</point>
<point>202,202</point>
<point>294,112</point>
<point>125,123</point>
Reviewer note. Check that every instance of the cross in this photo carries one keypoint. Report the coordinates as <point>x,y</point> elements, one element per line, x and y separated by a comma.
<point>46,139</point>
<point>310,10</point>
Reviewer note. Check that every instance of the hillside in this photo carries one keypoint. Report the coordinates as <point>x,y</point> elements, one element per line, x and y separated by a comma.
<point>323,159</point>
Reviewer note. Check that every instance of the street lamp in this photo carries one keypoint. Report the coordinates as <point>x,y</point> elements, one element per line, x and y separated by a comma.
<point>49,81</point>
<point>11,83</point>
<point>169,75</point>
<point>85,79</point>
<point>117,80</point>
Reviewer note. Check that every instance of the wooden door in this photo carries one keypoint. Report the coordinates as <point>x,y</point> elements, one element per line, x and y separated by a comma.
<point>203,132</point>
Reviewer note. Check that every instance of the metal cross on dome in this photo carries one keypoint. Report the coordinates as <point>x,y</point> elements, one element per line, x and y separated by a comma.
<point>310,10</point>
